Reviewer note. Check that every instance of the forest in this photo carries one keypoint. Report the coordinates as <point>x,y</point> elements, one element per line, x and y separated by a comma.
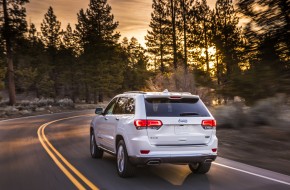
<point>189,47</point>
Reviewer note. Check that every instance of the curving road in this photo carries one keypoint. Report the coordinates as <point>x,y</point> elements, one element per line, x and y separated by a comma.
<point>52,152</point>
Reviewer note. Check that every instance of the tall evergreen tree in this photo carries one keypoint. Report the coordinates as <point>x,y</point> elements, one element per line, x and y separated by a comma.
<point>50,28</point>
<point>13,25</point>
<point>272,18</point>
<point>268,49</point>
<point>33,66</point>
<point>204,16</point>
<point>68,39</point>
<point>173,19</point>
<point>185,14</point>
<point>95,31</point>
<point>51,38</point>
<point>227,40</point>
<point>96,26</point>
<point>158,37</point>
<point>136,61</point>
<point>70,68</point>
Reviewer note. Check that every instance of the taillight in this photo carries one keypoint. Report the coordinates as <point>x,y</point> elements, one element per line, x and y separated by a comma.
<point>144,123</point>
<point>208,124</point>
<point>154,123</point>
<point>140,123</point>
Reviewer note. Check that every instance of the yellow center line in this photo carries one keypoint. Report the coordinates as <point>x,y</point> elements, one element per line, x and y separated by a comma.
<point>44,141</point>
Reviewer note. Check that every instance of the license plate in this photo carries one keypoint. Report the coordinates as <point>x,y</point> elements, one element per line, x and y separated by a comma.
<point>182,129</point>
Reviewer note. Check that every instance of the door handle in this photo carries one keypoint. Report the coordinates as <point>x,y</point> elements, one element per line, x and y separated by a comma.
<point>117,119</point>
<point>105,118</point>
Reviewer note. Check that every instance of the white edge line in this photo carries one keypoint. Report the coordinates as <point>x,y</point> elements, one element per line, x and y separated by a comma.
<point>41,115</point>
<point>254,174</point>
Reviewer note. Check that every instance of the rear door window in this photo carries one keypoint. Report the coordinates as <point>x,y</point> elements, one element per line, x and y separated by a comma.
<point>184,107</point>
<point>125,105</point>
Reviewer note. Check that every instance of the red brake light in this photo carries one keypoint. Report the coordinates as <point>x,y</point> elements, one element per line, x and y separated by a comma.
<point>210,123</point>
<point>174,97</point>
<point>154,123</point>
<point>140,123</point>
<point>143,123</point>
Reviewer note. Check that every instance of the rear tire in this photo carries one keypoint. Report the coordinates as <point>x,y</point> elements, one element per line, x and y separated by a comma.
<point>96,152</point>
<point>124,167</point>
<point>200,168</point>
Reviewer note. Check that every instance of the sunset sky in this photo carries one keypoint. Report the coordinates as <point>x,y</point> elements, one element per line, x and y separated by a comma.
<point>133,15</point>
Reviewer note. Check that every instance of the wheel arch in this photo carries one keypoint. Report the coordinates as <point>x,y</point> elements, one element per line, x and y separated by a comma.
<point>118,138</point>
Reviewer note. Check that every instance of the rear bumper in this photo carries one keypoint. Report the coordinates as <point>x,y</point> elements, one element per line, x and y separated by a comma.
<point>182,159</point>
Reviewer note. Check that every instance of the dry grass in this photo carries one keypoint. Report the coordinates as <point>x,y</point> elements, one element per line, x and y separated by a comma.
<point>257,135</point>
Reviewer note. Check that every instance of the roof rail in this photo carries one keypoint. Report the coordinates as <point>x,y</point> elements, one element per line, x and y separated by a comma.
<point>134,92</point>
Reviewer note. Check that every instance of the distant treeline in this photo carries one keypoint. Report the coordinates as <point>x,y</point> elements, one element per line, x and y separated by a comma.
<point>89,62</point>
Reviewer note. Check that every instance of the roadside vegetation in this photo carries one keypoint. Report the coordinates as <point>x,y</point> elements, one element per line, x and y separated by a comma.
<point>257,135</point>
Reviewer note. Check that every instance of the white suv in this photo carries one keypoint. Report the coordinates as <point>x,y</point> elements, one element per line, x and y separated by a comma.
<point>150,128</point>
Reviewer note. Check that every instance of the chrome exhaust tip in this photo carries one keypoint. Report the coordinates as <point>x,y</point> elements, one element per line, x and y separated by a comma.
<point>153,162</point>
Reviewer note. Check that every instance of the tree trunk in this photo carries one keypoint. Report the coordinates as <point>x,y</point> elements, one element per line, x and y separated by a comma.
<point>173,22</point>
<point>95,97</point>
<point>72,86</point>
<point>162,68</point>
<point>217,69</point>
<point>101,97</point>
<point>11,85</point>
<point>88,100</point>
<point>7,37</point>
<point>184,36</point>
<point>206,46</point>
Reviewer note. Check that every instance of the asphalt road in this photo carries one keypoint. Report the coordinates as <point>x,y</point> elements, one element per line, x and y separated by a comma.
<point>35,154</point>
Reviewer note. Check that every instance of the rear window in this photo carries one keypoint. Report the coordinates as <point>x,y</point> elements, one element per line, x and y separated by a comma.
<point>165,107</point>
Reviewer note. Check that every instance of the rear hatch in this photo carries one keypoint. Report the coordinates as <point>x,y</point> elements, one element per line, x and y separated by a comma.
<point>181,119</point>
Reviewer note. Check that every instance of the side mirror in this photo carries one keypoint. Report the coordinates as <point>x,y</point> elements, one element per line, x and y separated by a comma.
<point>99,111</point>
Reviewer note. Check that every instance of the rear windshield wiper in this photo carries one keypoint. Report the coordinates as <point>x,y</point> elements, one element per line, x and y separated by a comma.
<point>188,113</point>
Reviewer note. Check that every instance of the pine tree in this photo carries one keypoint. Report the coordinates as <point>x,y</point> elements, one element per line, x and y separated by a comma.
<point>228,37</point>
<point>173,19</point>
<point>268,34</point>
<point>158,38</point>
<point>68,39</point>
<point>13,25</point>
<point>51,38</point>
<point>96,26</point>
<point>136,73</point>
<point>204,18</point>
<point>33,65</point>
<point>185,14</point>
<point>70,68</point>
<point>50,28</point>
<point>229,46</point>
<point>99,51</point>
<point>273,19</point>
